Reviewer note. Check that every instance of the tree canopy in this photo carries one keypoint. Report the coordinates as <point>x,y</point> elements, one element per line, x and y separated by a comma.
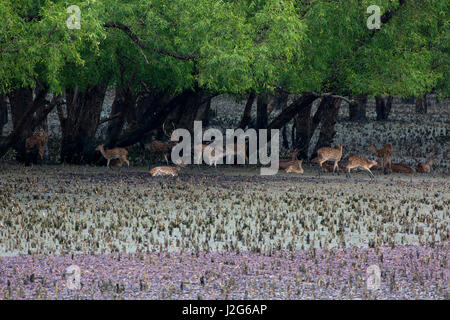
<point>228,46</point>
<point>172,56</point>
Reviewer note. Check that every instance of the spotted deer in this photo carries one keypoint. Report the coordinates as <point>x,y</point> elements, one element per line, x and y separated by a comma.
<point>167,170</point>
<point>329,154</point>
<point>286,163</point>
<point>161,148</point>
<point>37,140</point>
<point>425,167</point>
<point>359,162</point>
<point>295,168</point>
<point>384,154</point>
<point>116,153</point>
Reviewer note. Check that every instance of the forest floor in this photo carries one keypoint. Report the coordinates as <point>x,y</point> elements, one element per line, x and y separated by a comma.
<point>227,234</point>
<point>415,137</point>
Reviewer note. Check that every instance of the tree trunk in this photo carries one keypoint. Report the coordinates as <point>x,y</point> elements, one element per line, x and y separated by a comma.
<point>3,113</point>
<point>196,107</point>
<point>80,123</point>
<point>388,106</point>
<point>306,126</point>
<point>27,112</point>
<point>247,115</point>
<point>327,130</point>
<point>357,110</point>
<point>124,102</point>
<point>383,107</point>
<point>277,101</point>
<point>298,106</point>
<point>303,132</point>
<point>422,104</point>
<point>285,141</point>
<point>147,104</point>
<point>157,110</point>
<point>262,103</point>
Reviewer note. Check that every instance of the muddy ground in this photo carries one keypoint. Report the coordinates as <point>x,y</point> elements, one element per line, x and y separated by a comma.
<point>226,234</point>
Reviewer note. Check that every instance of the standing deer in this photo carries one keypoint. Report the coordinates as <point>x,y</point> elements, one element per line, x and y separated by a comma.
<point>116,153</point>
<point>162,148</point>
<point>38,140</point>
<point>425,167</point>
<point>385,154</point>
<point>359,162</point>
<point>326,154</point>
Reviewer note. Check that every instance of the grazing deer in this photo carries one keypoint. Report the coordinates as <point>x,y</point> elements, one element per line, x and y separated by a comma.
<point>116,153</point>
<point>326,154</point>
<point>401,168</point>
<point>385,154</point>
<point>162,148</point>
<point>38,140</point>
<point>425,167</point>
<point>359,162</point>
<point>167,170</point>
<point>295,168</point>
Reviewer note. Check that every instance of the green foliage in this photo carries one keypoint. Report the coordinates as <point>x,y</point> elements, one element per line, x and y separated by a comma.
<point>227,46</point>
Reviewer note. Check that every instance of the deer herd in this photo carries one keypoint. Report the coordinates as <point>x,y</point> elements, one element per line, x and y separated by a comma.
<point>290,165</point>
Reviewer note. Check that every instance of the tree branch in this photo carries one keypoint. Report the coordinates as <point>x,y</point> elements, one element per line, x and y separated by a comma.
<point>329,94</point>
<point>109,119</point>
<point>142,45</point>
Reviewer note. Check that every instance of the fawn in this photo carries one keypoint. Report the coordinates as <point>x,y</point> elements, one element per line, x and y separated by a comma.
<point>425,167</point>
<point>359,162</point>
<point>116,153</point>
<point>295,168</point>
<point>38,140</point>
<point>326,154</point>
<point>385,154</point>
<point>167,170</point>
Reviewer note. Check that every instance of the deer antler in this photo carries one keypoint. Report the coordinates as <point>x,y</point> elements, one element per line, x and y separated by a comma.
<point>165,132</point>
